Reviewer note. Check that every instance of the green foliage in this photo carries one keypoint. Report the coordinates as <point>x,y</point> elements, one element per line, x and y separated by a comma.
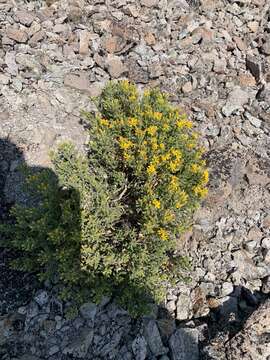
<point>108,223</point>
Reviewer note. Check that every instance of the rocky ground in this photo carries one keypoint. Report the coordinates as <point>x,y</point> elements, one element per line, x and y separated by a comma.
<point>213,57</point>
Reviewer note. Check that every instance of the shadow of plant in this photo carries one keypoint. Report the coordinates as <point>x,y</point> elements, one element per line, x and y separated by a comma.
<point>44,231</point>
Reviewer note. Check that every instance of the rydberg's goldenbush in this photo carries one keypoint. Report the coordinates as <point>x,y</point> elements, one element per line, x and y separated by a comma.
<point>110,223</point>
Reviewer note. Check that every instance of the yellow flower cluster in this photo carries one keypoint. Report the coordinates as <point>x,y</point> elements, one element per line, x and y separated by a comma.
<point>205,176</point>
<point>152,130</point>
<point>176,162</point>
<point>162,146</point>
<point>195,168</point>
<point>200,191</point>
<point>104,122</point>
<point>124,143</point>
<point>183,123</point>
<point>156,203</point>
<point>133,122</point>
<point>151,169</point>
<point>174,184</point>
<point>163,234</point>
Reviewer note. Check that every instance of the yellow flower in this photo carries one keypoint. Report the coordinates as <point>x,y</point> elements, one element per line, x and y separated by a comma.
<point>124,143</point>
<point>156,203</point>
<point>154,144</point>
<point>151,170</point>
<point>200,191</point>
<point>174,183</point>
<point>146,93</point>
<point>191,145</point>
<point>125,84</point>
<point>166,157</point>
<point>163,234</point>
<point>127,156</point>
<point>133,122</point>
<point>174,165</point>
<point>132,97</point>
<point>195,168</point>
<point>184,123</point>
<point>104,122</point>
<point>157,115</point>
<point>152,130</point>
<point>205,177</point>
<point>177,153</point>
<point>162,146</point>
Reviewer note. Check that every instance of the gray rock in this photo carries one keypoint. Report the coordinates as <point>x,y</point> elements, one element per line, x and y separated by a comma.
<point>54,350</point>
<point>264,93</point>
<point>246,268</point>
<point>254,66</point>
<point>28,62</point>
<point>265,243</point>
<point>252,342</point>
<point>266,285</point>
<point>80,345</point>
<point>25,17</point>
<point>139,348</point>
<point>226,289</point>
<point>153,339</point>
<point>78,81</point>
<point>29,357</point>
<point>253,120</point>
<point>236,99</point>
<point>11,62</point>
<point>32,311</point>
<point>149,3</point>
<point>184,344</point>
<point>88,311</point>
<point>183,307</point>
<point>41,297</point>
<point>116,68</point>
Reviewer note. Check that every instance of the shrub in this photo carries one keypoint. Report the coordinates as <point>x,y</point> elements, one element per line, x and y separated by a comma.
<point>110,222</point>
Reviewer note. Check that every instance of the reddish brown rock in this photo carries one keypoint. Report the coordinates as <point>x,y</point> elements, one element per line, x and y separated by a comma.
<point>246,80</point>
<point>113,44</point>
<point>18,35</point>
<point>150,39</point>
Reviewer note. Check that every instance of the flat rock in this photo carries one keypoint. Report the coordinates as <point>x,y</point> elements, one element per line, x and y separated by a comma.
<point>77,81</point>
<point>116,68</point>
<point>88,311</point>
<point>236,99</point>
<point>184,344</point>
<point>139,348</point>
<point>153,339</point>
<point>18,35</point>
<point>149,3</point>
<point>25,17</point>
<point>183,307</point>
